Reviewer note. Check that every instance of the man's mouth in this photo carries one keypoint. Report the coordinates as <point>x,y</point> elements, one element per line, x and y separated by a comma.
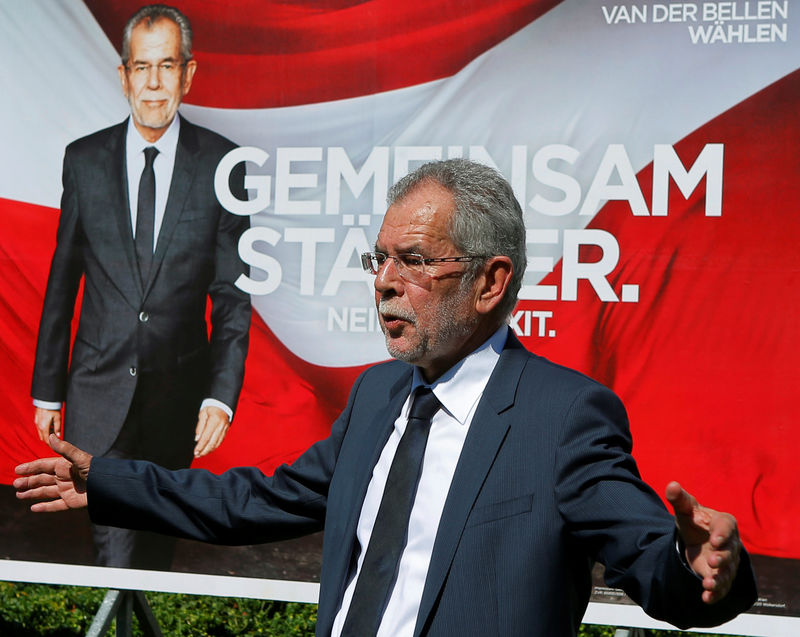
<point>394,317</point>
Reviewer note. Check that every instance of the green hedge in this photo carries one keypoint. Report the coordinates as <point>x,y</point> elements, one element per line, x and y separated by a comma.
<point>38,610</point>
<point>35,610</point>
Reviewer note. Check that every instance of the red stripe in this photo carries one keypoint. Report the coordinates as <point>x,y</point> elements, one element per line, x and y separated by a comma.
<point>254,54</point>
<point>286,406</point>
<point>27,241</point>
<point>706,362</point>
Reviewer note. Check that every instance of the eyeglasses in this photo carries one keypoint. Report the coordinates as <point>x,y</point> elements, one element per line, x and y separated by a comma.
<point>164,69</point>
<point>409,266</point>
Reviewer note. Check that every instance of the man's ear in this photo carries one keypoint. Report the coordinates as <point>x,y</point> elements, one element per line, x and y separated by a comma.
<point>187,77</point>
<point>493,283</point>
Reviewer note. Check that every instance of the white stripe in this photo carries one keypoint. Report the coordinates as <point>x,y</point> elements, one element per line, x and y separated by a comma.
<point>748,624</point>
<point>165,582</point>
<point>567,78</point>
<point>60,76</point>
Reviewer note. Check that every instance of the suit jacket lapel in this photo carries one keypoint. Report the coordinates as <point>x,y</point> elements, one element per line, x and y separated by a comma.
<point>341,542</point>
<point>182,176</point>
<point>373,441</point>
<point>490,424</point>
<point>116,181</point>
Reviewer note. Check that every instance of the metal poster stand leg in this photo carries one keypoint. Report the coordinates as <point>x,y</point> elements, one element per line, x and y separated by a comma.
<point>121,605</point>
<point>629,632</point>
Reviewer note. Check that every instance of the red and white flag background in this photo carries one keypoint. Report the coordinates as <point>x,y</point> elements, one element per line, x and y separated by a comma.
<point>654,147</point>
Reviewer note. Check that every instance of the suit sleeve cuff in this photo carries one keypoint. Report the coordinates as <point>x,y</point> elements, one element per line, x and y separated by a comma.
<point>680,547</point>
<point>212,402</point>
<point>46,404</point>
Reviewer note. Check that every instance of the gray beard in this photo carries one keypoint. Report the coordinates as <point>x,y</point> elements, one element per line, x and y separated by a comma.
<point>450,328</point>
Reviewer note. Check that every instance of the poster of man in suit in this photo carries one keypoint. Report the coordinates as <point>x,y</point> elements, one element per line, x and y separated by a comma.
<point>649,145</point>
<point>145,379</point>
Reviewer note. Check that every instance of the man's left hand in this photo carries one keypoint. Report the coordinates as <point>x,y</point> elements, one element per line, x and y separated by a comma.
<point>711,539</point>
<point>212,427</point>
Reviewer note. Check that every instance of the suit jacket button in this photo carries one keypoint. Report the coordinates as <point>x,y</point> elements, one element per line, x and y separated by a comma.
<point>132,371</point>
<point>144,317</point>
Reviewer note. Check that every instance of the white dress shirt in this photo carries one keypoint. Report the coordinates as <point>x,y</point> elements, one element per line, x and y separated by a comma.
<point>459,391</point>
<point>163,164</point>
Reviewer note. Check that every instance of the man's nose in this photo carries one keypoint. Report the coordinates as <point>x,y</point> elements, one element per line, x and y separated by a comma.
<point>388,277</point>
<point>153,77</point>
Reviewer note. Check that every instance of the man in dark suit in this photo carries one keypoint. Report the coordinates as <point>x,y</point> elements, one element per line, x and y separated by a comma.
<point>141,224</point>
<point>526,474</point>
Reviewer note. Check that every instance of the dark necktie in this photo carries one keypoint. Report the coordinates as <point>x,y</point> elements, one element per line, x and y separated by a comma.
<point>388,539</point>
<point>146,213</point>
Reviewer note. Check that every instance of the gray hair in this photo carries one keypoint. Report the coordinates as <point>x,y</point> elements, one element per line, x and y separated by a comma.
<point>150,14</point>
<point>487,220</point>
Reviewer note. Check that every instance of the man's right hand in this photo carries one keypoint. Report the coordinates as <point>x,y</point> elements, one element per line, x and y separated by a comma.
<point>60,480</point>
<point>47,421</point>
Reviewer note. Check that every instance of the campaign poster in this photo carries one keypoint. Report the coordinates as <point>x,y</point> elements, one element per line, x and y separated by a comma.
<point>652,146</point>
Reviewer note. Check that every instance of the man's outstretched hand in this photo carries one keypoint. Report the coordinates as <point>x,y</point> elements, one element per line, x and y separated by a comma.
<point>711,539</point>
<point>61,481</point>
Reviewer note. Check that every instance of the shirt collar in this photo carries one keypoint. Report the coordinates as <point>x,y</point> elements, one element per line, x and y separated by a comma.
<point>462,385</point>
<point>166,144</point>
